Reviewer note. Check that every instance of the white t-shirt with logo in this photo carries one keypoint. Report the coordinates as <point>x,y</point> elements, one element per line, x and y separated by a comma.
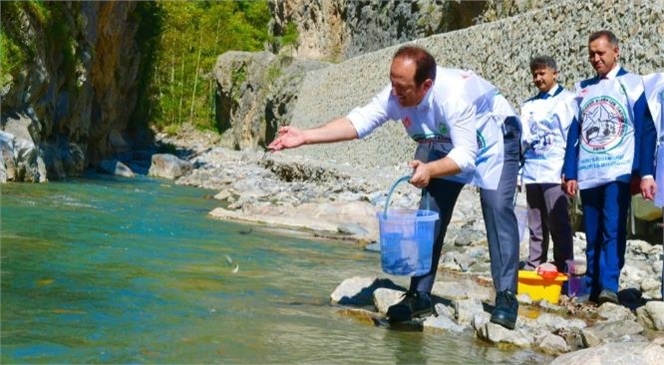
<point>606,138</point>
<point>461,116</point>
<point>546,123</point>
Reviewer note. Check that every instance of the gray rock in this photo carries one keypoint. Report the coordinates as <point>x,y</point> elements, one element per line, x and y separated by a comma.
<point>642,353</point>
<point>549,343</point>
<point>612,312</point>
<point>465,309</point>
<point>115,167</point>
<point>168,166</point>
<point>651,315</point>
<point>383,298</point>
<point>609,331</point>
<point>442,323</point>
<point>494,333</point>
<point>359,291</point>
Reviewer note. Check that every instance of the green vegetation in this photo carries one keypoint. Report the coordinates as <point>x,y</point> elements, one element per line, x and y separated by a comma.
<point>290,36</point>
<point>13,53</point>
<point>11,58</point>
<point>54,20</point>
<point>192,36</point>
<point>179,42</point>
<point>149,16</point>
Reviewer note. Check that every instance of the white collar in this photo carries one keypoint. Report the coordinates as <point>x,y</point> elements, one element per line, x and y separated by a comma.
<point>613,73</point>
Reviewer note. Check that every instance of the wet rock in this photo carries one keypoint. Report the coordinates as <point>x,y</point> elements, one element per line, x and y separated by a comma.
<point>115,167</point>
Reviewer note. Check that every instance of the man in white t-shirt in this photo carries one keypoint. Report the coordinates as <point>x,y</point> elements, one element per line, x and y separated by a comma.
<point>603,156</point>
<point>467,133</point>
<point>545,121</point>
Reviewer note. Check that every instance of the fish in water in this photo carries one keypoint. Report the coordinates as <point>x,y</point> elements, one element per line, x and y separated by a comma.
<point>235,266</point>
<point>246,231</point>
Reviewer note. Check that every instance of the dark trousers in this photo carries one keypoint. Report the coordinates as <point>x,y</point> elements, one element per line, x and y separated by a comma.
<point>497,210</point>
<point>605,218</point>
<point>442,196</point>
<point>502,228</point>
<point>548,214</point>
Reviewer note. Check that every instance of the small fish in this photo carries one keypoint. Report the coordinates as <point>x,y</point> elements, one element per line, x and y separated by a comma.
<point>230,262</point>
<point>247,231</point>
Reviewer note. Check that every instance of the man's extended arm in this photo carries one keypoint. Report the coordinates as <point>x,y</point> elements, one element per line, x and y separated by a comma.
<point>336,130</point>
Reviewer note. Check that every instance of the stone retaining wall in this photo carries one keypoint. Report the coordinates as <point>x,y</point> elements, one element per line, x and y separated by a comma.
<point>498,51</point>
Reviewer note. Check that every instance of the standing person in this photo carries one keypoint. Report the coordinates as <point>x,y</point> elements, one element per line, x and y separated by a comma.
<point>448,112</point>
<point>545,121</point>
<point>601,157</point>
<point>654,89</point>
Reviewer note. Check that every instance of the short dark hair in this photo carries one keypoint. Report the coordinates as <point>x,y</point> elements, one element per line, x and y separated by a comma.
<point>543,61</point>
<point>604,33</point>
<point>425,64</point>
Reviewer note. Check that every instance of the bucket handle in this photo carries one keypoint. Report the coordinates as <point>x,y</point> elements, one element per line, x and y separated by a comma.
<point>394,185</point>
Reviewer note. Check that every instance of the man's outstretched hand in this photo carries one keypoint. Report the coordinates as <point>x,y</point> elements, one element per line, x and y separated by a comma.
<point>287,137</point>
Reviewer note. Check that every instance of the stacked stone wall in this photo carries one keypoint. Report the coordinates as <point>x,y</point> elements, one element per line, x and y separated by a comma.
<point>499,51</point>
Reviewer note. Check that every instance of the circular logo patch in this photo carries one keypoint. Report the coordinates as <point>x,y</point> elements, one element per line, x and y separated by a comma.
<point>603,126</point>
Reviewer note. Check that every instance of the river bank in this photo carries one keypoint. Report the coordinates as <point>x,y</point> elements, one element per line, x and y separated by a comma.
<point>327,200</point>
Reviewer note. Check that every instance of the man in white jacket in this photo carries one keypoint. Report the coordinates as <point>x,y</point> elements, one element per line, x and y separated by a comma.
<point>545,121</point>
<point>461,123</point>
<point>606,147</point>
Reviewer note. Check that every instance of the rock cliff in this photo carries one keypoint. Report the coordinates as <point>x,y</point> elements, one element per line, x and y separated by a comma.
<point>340,29</point>
<point>72,102</point>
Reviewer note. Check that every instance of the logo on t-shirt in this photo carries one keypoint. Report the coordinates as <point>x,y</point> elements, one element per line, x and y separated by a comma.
<point>542,136</point>
<point>443,129</point>
<point>481,141</point>
<point>602,124</point>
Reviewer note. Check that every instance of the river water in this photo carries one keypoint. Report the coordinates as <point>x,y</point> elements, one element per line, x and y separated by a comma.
<point>110,270</point>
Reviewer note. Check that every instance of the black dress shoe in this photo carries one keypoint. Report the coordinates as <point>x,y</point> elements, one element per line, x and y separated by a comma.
<point>414,304</point>
<point>506,309</point>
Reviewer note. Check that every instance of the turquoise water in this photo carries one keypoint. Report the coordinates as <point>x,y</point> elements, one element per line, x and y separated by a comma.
<point>110,270</point>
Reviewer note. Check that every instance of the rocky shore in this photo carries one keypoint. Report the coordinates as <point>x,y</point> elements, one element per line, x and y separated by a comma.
<point>338,201</point>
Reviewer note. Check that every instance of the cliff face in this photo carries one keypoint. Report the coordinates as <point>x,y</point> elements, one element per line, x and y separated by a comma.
<point>71,104</point>
<point>341,29</point>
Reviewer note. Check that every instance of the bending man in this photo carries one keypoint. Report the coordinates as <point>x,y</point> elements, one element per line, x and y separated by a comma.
<point>447,111</point>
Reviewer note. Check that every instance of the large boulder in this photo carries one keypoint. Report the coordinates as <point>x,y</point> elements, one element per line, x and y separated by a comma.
<point>168,166</point>
<point>20,151</point>
<point>255,96</point>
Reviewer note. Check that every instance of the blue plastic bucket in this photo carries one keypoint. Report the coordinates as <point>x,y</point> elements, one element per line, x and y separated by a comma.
<point>406,238</point>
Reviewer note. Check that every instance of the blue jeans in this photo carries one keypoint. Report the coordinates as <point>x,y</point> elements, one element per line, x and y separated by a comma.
<point>605,219</point>
<point>502,228</point>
